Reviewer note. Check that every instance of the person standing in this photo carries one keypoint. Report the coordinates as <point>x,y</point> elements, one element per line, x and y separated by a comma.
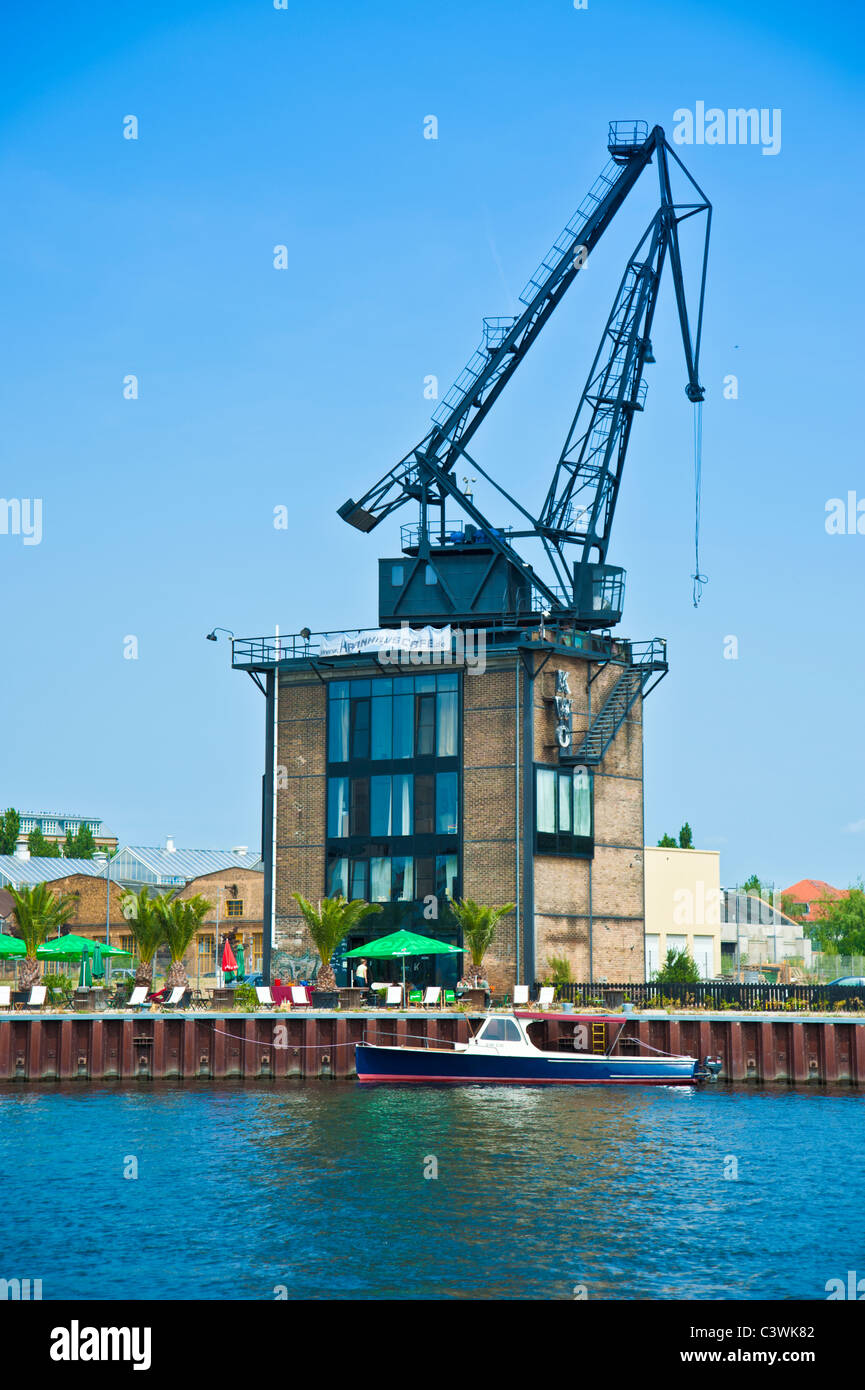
<point>361,977</point>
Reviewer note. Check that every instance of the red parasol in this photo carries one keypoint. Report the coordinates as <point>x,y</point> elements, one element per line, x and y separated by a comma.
<point>228,960</point>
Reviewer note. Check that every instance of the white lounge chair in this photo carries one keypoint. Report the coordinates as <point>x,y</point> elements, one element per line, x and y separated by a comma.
<point>5,996</point>
<point>298,996</point>
<point>432,995</point>
<point>138,998</point>
<point>37,997</point>
<point>521,994</point>
<point>546,996</point>
<point>263,995</point>
<point>174,998</point>
<point>394,995</point>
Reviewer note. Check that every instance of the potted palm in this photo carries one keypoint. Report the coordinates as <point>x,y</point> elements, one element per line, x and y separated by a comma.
<point>39,914</point>
<point>145,924</point>
<point>181,919</point>
<point>328,924</point>
<point>478,922</point>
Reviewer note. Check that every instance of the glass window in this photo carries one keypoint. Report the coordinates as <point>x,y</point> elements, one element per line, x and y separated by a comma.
<point>360,728</point>
<point>337,743</point>
<point>337,876</point>
<point>446,874</point>
<point>447,681</point>
<point>501,1030</point>
<point>424,804</point>
<point>380,806</point>
<point>402,804</point>
<point>382,685</point>
<point>424,685</point>
<point>425,877</point>
<point>396,575</point>
<point>425,734</point>
<point>565,786</point>
<point>582,804</point>
<point>359,812</point>
<point>546,797</point>
<point>359,688</point>
<point>382,727</point>
<point>358,878</point>
<point>403,878</point>
<point>379,880</point>
<point>403,725</point>
<point>234,907</point>
<point>447,709</point>
<point>206,953</point>
<point>446,803</point>
<point>429,575</point>
<point>337,807</point>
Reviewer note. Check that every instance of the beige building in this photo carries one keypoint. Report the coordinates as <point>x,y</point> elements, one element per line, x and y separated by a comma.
<point>683,907</point>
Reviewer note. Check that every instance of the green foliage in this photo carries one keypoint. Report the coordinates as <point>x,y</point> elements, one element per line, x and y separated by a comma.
<point>42,848</point>
<point>841,929</point>
<point>667,842</point>
<point>180,919</point>
<point>678,968</point>
<point>39,913</point>
<point>10,825</point>
<point>686,838</point>
<point>246,998</point>
<point>333,919</point>
<point>478,922</point>
<point>560,970</point>
<point>81,845</point>
<point>60,988</point>
<point>145,924</point>
<point>754,886</point>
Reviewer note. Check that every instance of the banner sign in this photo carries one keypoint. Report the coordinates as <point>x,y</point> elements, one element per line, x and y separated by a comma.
<point>388,639</point>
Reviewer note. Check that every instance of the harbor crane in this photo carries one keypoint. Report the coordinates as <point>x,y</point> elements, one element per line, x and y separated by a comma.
<point>471,571</point>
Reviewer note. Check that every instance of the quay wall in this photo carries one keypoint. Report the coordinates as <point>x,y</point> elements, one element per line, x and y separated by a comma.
<point>811,1050</point>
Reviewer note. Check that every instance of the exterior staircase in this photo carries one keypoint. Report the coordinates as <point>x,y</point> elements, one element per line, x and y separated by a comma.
<point>646,665</point>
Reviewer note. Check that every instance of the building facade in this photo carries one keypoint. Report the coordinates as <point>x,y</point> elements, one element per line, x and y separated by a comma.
<point>513,780</point>
<point>683,907</point>
<point>56,826</point>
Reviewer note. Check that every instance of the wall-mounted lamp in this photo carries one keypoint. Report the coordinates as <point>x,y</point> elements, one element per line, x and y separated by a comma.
<point>212,637</point>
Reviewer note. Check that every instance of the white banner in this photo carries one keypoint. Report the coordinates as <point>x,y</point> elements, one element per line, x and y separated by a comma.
<point>402,639</point>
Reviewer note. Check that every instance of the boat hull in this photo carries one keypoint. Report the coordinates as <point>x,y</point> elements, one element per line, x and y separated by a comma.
<point>409,1065</point>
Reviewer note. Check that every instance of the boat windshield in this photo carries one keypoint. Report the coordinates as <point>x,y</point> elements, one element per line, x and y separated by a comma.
<point>500,1030</point>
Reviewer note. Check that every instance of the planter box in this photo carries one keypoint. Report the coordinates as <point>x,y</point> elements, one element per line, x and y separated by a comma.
<point>325,998</point>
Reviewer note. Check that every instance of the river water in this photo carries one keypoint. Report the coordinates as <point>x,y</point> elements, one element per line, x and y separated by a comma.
<point>331,1190</point>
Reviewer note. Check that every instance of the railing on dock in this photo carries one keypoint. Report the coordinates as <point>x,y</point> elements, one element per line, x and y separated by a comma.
<point>717,994</point>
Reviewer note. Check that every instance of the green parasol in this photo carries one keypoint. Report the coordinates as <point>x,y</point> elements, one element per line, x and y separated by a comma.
<point>401,944</point>
<point>98,967</point>
<point>85,979</point>
<point>11,946</point>
<point>72,948</point>
<point>241,963</point>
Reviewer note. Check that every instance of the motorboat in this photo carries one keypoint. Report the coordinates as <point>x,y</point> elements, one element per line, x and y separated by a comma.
<point>502,1052</point>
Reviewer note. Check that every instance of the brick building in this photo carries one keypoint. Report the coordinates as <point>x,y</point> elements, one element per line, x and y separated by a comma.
<point>409,784</point>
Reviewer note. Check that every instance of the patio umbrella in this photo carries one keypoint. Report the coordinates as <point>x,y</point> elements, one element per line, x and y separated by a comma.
<point>72,948</point>
<point>401,944</point>
<point>98,967</point>
<point>11,946</point>
<point>85,979</point>
<point>241,963</point>
<point>228,964</point>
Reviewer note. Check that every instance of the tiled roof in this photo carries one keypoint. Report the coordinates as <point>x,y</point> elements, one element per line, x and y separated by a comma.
<point>809,889</point>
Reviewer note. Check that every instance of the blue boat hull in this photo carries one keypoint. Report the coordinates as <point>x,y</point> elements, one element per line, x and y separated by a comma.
<point>407,1065</point>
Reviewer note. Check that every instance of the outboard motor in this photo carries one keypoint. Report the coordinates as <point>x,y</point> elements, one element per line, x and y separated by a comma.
<point>709,1068</point>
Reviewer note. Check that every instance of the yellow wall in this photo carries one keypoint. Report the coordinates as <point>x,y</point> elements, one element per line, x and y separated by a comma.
<point>683,906</point>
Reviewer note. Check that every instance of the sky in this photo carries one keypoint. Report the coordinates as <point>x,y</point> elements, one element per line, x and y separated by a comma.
<point>303,126</point>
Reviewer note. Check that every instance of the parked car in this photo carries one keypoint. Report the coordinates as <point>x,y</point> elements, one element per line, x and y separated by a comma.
<point>852,981</point>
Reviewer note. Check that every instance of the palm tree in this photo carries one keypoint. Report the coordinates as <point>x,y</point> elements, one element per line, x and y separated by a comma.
<point>142,913</point>
<point>38,913</point>
<point>181,919</point>
<point>328,924</point>
<point>478,924</point>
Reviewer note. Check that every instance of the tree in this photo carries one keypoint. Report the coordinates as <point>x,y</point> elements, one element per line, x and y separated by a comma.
<point>40,847</point>
<point>686,839</point>
<point>181,919</point>
<point>478,924</point>
<point>753,886</point>
<point>841,928</point>
<point>678,968</point>
<point>81,845</point>
<point>10,826</point>
<point>39,913</point>
<point>667,842</point>
<point>328,924</point>
<point>145,923</point>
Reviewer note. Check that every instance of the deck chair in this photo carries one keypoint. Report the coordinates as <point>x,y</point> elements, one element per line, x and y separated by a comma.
<point>547,995</point>
<point>432,995</point>
<point>298,996</point>
<point>415,997</point>
<point>521,994</point>
<point>394,995</point>
<point>37,997</point>
<point>138,998</point>
<point>174,998</point>
<point>5,996</point>
<point>450,996</point>
<point>264,996</point>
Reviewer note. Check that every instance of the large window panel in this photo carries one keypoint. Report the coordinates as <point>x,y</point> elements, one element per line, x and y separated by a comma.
<point>380,818</point>
<point>403,878</point>
<point>360,719</point>
<point>379,880</point>
<point>545,816</point>
<point>337,807</point>
<point>424,803</point>
<point>337,741</point>
<point>446,803</point>
<point>582,803</point>
<point>563,810</point>
<point>359,808</point>
<point>446,874</point>
<point>402,803</point>
<point>447,723</point>
<point>382,726</point>
<point>359,878</point>
<point>403,726</point>
<point>337,876</point>
<point>425,734</point>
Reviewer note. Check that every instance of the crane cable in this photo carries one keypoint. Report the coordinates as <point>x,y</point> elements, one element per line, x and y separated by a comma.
<point>698,578</point>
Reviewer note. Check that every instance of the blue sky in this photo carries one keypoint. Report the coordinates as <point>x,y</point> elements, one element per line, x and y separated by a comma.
<point>258,387</point>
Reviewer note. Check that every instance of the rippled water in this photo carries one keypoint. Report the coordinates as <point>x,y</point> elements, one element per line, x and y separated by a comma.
<point>320,1187</point>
